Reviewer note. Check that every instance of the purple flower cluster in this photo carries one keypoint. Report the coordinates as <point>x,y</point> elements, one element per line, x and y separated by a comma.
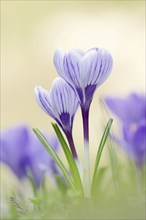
<point>131,111</point>
<point>80,74</point>
<point>22,152</point>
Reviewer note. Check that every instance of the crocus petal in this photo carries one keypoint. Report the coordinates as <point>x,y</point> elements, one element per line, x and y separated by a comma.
<point>127,132</point>
<point>72,68</point>
<point>58,60</point>
<point>63,97</point>
<point>43,99</point>
<point>138,103</point>
<point>60,103</point>
<point>12,146</point>
<point>14,143</point>
<point>96,66</point>
<point>117,106</point>
<point>41,161</point>
<point>139,144</point>
<point>135,142</point>
<point>130,109</point>
<point>90,65</point>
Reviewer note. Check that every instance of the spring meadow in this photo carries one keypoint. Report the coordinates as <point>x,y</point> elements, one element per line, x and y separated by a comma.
<point>73,110</point>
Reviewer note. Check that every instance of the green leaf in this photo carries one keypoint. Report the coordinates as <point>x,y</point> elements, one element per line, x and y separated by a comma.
<point>100,178</point>
<point>60,183</point>
<point>113,161</point>
<point>32,182</point>
<point>70,159</point>
<point>100,149</point>
<point>55,158</point>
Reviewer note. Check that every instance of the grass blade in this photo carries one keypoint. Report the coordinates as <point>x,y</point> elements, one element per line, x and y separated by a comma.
<point>100,149</point>
<point>111,147</point>
<point>55,157</point>
<point>70,159</point>
<point>32,182</point>
<point>113,161</point>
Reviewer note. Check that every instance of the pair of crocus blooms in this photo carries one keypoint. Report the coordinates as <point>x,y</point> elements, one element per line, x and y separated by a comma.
<point>22,151</point>
<point>80,74</point>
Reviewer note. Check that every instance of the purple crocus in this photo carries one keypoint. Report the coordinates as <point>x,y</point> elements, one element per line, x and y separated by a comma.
<point>22,152</point>
<point>61,104</point>
<point>131,112</point>
<point>84,71</point>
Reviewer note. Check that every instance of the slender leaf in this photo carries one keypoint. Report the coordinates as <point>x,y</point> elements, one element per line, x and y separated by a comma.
<point>113,161</point>
<point>112,151</point>
<point>101,178</point>
<point>70,159</point>
<point>55,157</point>
<point>100,149</point>
<point>61,183</point>
<point>32,182</point>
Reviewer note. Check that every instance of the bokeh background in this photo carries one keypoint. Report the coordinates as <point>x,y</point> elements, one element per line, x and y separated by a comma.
<point>32,30</point>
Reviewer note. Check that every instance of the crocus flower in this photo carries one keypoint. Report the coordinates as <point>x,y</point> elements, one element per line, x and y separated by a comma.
<point>22,152</point>
<point>84,71</point>
<point>61,104</point>
<point>131,112</point>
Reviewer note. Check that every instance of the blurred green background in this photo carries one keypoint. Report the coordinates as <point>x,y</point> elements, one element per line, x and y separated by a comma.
<point>30,32</point>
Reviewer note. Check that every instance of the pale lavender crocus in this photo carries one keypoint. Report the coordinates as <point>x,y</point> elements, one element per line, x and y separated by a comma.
<point>23,152</point>
<point>61,104</point>
<point>84,71</point>
<point>131,111</point>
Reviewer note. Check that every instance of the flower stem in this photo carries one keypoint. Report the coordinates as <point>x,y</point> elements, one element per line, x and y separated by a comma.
<point>74,153</point>
<point>86,175</point>
<point>71,144</point>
